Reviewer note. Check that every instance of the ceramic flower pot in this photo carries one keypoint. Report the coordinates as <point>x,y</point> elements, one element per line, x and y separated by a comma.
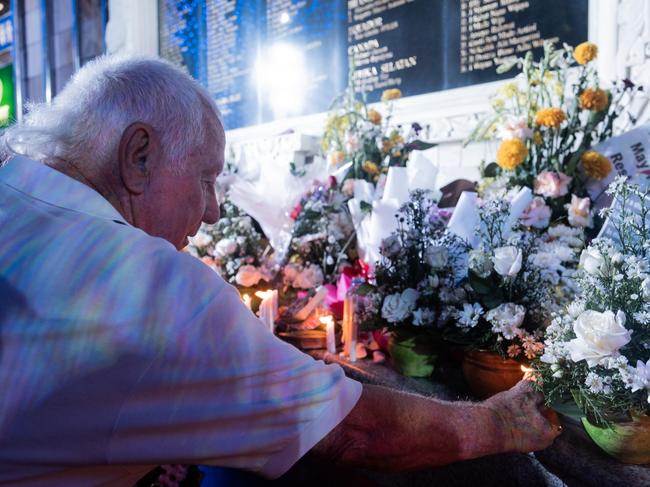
<point>487,373</point>
<point>628,442</point>
<point>412,354</point>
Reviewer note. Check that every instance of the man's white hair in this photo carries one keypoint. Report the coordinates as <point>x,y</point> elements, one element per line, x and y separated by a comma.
<point>84,123</point>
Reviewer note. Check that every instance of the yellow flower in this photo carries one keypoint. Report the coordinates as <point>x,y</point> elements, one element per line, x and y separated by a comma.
<point>370,167</point>
<point>585,52</point>
<point>558,88</point>
<point>335,158</point>
<point>509,90</point>
<point>511,154</point>
<point>549,75</point>
<point>374,116</point>
<point>396,138</point>
<point>550,117</point>
<point>387,145</point>
<point>596,165</point>
<point>595,100</point>
<point>391,94</point>
<point>498,103</point>
<point>537,138</point>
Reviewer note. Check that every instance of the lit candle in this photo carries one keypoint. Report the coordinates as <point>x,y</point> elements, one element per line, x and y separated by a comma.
<point>528,373</point>
<point>247,300</point>
<point>267,308</point>
<point>328,321</point>
<point>349,329</point>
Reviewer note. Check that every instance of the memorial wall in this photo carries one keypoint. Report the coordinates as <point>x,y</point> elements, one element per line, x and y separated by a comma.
<point>276,59</point>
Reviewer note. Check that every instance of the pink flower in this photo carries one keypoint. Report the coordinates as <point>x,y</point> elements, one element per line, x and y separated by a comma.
<point>537,215</point>
<point>579,214</point>
<point>552,184</point>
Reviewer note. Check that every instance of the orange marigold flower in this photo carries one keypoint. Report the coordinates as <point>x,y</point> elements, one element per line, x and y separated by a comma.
<point>374,116</point>
<point>514,351</point>
<point>596,165</point>
<point>391,94</point>
<point>335,158</point>
<point>511,153</point>
<point>585,52</point>
<point>595,100</point>
<point>370,167</point>
<point>550,117</point>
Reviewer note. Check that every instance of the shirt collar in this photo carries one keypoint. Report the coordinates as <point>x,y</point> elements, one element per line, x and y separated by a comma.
<point>51,186</point>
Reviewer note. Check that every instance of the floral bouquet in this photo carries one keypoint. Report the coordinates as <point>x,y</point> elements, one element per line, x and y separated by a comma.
<point>322,239</point>
<point>548,120</point>
<point>503,304</point>
<point>598,350</point>
<point>362,143</point>
<point>235,247</point>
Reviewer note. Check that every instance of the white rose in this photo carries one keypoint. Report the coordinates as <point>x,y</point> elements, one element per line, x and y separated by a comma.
<point>397,307</point>
<point>436,256</point>
<point>599,336</point>
<point>592,261</point>
<point>310,277</point>
<point>225,247</point>
<point>248,275</point>
<point>507,261</point>
<point>201,239</point>
<point>506,319</point>
<point>645,288</point>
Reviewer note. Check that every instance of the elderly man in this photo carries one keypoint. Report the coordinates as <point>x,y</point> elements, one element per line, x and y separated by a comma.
<point>119,353</point>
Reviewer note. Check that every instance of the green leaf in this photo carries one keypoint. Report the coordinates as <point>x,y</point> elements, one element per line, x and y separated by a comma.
<point>365,289</point>
<point>507,66</point>
<point>491,170</point>
<point>419,145</point>
<point>479,284</point>
<point>365,206</point>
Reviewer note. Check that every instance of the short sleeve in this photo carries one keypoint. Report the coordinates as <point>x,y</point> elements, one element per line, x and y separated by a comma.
<point>220,389</point>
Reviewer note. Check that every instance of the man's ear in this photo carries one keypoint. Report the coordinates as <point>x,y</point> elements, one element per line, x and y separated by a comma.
<point>135,156</point>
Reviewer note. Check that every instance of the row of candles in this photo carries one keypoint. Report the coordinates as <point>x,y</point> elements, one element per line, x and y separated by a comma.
<point>268,313</point>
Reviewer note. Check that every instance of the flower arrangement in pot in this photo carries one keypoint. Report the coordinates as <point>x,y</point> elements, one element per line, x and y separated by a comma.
<point>597,351</point>
<point>548,120</point>
<point>500,312</point>
<point>322,239</point>
<point>417,263</point>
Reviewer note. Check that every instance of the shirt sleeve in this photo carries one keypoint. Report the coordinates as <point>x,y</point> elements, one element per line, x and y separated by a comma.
<point>220,389</point>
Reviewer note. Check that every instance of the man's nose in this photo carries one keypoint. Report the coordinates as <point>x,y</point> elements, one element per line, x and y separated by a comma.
<point>211,214</point>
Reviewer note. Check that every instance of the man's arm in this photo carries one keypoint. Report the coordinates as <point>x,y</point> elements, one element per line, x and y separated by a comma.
<point>393,431</point>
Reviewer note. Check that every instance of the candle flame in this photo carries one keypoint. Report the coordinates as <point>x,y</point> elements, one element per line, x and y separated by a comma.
<point>326,320</point>
<point>528,373</point>
<point>264,294</point>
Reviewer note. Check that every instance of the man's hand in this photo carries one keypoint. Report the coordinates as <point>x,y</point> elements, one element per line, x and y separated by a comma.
<point>524,418</point>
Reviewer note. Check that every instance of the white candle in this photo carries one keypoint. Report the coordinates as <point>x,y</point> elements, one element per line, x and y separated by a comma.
<point>465,218</point>
<point>267,308</point>
<point>328,321</point>
<point>349,329</point>
<point>517,206</point>
<point>247,300</point>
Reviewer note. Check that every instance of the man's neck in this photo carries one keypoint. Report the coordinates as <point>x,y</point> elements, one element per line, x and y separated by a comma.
<point>73,171</point>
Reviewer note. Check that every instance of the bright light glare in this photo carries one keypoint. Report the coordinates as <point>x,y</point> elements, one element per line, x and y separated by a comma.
<point>284,18</point>
<point>282,78</point>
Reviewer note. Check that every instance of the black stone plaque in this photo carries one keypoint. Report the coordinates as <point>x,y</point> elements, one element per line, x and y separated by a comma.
<point>268,59</point>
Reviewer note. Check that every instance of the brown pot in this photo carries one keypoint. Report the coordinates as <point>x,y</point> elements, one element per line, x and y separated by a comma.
<point>487,373</point>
